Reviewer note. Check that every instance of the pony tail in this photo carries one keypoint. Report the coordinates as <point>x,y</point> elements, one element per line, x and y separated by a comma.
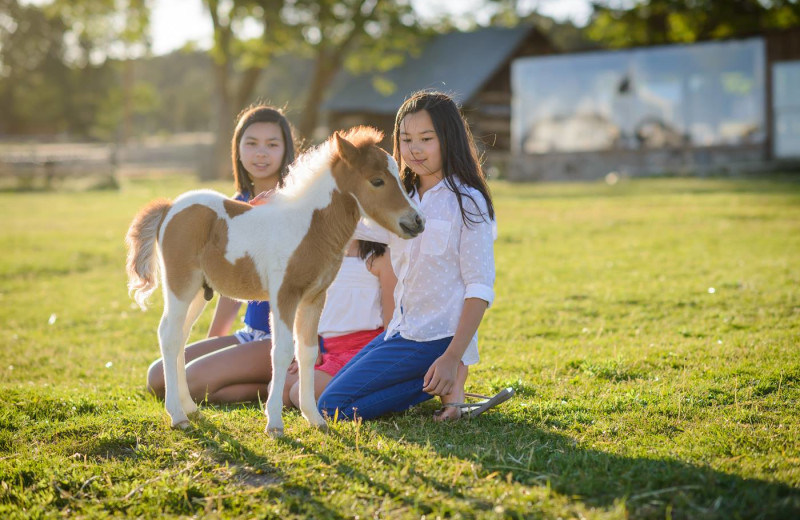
<point>141,240</point>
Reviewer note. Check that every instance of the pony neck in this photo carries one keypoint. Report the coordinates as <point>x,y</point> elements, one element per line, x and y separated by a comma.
<point>337,222</point>
<point>334,213</point>
<point>311,186</point>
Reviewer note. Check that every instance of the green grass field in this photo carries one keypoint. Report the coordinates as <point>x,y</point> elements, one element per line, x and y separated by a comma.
<point>651,330</point>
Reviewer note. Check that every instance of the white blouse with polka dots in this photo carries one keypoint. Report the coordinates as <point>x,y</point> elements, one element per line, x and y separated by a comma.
<point>437,270</point>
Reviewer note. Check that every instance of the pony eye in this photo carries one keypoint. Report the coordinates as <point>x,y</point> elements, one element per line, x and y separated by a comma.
<point>376,182</point>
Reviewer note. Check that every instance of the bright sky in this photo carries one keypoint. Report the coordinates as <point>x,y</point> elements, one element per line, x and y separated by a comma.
<point>175,22</point>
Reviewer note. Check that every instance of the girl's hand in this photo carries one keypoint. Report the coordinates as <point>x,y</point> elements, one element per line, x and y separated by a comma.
<point>441,376</point>
<point>262,198</point>
<point>294,368</point>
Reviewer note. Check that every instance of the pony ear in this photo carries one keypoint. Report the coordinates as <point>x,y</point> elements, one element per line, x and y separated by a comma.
<point>347,151</point>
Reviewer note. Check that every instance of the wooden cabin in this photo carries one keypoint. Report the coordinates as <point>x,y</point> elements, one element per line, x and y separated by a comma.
<point>473,67</point>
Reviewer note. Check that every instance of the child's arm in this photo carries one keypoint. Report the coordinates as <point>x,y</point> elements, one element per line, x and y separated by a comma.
<point>262,198</point>
<point>382,268</point>
<point>476,263</point>
<point>224,316</point>
<point>442,373</point>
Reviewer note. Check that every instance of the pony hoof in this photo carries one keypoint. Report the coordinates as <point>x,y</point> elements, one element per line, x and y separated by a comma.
<point>181,425</point>
<point>274,432</point>
<point>318,422</point>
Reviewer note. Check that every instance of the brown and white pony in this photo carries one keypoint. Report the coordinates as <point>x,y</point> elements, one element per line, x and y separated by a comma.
<point>286,251</point>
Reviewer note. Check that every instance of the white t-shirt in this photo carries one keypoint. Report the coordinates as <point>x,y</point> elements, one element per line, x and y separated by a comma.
<point>353,301</point>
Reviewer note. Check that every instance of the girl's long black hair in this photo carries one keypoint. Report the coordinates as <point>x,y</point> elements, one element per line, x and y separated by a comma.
<point>260,114</point>
<point>368,249</point>
<point>459,154</point>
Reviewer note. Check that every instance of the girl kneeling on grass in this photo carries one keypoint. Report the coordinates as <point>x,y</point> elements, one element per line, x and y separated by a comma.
<point>445,275</point>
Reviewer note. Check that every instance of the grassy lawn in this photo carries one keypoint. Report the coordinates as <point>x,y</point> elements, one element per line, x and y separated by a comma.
<point>651,330</point>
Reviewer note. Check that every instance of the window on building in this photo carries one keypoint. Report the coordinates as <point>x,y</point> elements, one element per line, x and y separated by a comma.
<point>709,94</point>
<point>786,109</point>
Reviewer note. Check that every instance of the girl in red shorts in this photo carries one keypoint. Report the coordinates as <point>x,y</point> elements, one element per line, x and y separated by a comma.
<point>358,305</point>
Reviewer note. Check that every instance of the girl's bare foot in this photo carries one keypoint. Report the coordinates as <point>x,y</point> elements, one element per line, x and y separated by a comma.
<point>451,413</point>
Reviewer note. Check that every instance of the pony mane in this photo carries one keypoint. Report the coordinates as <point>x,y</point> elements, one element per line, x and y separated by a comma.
<point>316,161</point>
<point>307,167</point>
<point>360,136</point>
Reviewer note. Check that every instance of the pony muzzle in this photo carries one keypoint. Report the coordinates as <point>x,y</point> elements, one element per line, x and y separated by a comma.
<point>412,224</point>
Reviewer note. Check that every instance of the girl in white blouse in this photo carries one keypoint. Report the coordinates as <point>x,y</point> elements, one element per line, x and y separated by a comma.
<point>445,275</point>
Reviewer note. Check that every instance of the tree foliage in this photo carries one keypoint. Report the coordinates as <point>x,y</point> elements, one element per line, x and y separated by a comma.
<point>100,29</point>
<point>55,72</point>
<point>31,63</point>
<point>651,22</point>
<point>361,35</point>
<point>563,35</point>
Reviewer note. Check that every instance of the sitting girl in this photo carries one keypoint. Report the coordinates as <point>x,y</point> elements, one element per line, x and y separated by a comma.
<point>445,275</point>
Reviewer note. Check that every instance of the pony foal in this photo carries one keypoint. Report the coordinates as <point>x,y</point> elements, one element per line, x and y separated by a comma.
<point>287,251</point>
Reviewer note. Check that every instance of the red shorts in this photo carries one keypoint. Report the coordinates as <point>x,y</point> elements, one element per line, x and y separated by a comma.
<point>341,349</point>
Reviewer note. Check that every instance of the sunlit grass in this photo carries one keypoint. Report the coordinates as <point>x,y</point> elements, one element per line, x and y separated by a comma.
<point>650,328</point>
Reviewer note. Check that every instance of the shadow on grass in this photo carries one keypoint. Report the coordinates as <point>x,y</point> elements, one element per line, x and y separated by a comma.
<point>528,455</point>
<point>649,487</point>
<point>225,448</point>
<point>256,471</point>
<point>398,495</point>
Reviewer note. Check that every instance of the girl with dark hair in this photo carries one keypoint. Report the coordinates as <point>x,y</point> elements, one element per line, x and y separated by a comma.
<point>261,126</point>
<point>457,154</point>
<point>445,275</point>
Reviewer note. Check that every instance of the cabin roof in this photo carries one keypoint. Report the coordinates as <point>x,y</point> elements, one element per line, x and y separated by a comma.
<point>457,63</point>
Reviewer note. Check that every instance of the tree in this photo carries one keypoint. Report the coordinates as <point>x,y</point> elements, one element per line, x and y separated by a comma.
<point>232,91</point>
<point>358,34</point>
<point>31,69</point>
<point>250,56</point>
<point>104,29</point>
<point>363,35</point>
<point>563,35</point>
<point>683,21</point>
<point>54,61</point>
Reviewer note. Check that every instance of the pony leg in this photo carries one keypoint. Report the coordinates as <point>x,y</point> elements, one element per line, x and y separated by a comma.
<point>195,308</point>
<point>172,341</point>
<point>306,324</point>
<point>281,357</point>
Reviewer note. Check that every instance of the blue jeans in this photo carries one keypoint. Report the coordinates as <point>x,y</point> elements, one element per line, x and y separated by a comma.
<point>385,376</point>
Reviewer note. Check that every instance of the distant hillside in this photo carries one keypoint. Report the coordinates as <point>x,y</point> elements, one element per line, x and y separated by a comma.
<point>183,86</point>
